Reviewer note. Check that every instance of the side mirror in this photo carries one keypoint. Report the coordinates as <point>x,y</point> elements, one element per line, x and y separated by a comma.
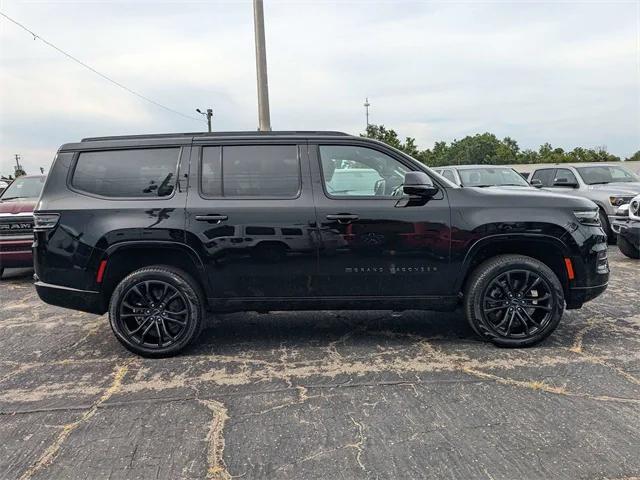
<point>564,182</point>
<point>419,184</point>
<point>536,183</point>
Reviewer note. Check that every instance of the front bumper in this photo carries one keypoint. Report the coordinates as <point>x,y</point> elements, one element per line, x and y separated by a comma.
<point>83,300</point>
<point>629,229</point>
<point>580,295</point>
<point>16,252</point>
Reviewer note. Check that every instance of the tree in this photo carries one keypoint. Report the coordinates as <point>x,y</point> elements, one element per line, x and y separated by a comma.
<point>390,137</point>
<point>487,149</point>
<point>635,157</point>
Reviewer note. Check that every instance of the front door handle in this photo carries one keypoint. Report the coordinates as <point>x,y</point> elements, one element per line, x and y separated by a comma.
<point>343,218</point>
<point>211,218</point>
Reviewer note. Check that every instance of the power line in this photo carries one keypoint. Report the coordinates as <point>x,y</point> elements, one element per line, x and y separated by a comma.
<point>109,79</point>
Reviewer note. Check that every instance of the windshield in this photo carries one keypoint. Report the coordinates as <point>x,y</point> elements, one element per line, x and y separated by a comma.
<point>24,187</point>
<point>605,174</point>
<point>489,177</point>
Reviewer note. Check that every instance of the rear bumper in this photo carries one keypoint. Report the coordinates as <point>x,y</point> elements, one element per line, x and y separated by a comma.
<point>16,252</point>
<point>83,300</point>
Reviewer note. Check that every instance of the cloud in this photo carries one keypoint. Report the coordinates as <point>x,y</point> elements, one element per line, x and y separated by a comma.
<point>567,73</point>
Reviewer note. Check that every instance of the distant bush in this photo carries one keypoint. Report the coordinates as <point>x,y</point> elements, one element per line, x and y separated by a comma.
<point>487,149</point>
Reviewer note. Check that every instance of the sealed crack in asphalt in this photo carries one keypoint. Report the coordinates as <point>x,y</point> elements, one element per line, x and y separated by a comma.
<point>52,450</point>
<point>216,470</point>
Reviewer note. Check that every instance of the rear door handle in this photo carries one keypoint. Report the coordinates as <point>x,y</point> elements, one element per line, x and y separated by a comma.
<point>343,218</point>
<point>211,218</point>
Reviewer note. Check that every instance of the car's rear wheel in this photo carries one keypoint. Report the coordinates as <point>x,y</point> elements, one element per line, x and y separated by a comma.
<point>513,301</point>
<point>627,248</point>
<point>156,311</point>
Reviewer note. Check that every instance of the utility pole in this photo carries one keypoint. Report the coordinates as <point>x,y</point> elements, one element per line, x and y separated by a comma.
<point>18,168</point>
<point>209,114</point>
<point>366,106</point>
<point>264,120</point>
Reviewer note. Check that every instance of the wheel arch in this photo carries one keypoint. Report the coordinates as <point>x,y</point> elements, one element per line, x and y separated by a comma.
<point>126,257</point>
<point>548,249</point>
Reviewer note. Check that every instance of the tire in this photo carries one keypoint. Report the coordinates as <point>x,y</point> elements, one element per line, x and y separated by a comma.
<point>604,221</point>
<point>536,305</point>
<point>1,272</point>
<point>156,311</point>
<point>627,248</point>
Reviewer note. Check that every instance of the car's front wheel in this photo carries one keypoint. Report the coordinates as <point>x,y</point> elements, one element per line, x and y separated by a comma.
<point>513,300</point>
<point>156,311</point>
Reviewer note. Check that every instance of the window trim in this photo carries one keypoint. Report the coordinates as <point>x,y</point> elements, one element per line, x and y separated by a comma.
<point>76,158</point>
<point>358,197</point>
<point>200,159</point>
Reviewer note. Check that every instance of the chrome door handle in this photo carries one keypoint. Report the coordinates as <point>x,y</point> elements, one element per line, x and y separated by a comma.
<point>211,218</point>
<point>343,218</point>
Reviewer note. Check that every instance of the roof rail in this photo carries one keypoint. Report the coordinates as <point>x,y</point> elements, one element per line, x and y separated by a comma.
<point>218,134</point>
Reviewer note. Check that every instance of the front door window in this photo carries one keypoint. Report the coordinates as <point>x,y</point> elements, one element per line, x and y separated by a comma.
<point>350,171</point>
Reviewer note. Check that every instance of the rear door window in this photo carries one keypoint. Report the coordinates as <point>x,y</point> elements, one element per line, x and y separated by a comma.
<point>545,176</point>
<point>270,171</point>
<point>132,173</point>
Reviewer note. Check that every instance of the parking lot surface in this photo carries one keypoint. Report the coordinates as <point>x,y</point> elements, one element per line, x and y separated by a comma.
<point>308,395</point>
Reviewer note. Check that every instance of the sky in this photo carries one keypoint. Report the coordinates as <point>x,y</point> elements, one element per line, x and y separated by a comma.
<point>567,72</point>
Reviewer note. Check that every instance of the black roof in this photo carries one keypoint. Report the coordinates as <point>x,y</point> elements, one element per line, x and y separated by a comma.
<point>286,133</point>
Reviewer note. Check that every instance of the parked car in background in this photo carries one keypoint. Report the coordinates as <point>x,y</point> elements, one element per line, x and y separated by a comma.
<point>147,227</point>
<point>483,176</point>
<point>608,185</point>
<point>16,221</point>
<point>626,225</point>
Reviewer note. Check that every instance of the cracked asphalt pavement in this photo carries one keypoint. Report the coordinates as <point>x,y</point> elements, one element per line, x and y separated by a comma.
<point>306,395</point>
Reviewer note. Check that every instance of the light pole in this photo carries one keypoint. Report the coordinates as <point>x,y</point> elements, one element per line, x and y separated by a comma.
<point>209,114</point>
<point>366,106</point>
<point>264,120</point>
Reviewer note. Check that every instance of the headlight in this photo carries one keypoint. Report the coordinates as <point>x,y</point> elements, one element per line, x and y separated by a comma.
<point>588,217</point>
<point>635,208</point>
<point>617,201</point>
<point>45,221</point>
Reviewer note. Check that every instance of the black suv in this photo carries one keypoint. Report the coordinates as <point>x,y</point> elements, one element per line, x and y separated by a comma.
<point>159,229</point>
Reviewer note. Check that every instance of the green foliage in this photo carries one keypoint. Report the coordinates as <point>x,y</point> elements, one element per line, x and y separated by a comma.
<point>487,149</point>
<point>635,157</point>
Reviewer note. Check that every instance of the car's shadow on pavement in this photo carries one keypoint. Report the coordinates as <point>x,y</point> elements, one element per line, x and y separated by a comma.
<point>274,330</point>
<point>16,274</point>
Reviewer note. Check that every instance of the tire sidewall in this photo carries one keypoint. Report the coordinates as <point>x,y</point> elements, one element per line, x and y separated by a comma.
<point>480,324</point>
<point>176,279</point>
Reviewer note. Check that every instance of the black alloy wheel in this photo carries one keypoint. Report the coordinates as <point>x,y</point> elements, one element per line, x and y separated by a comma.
<point>513,300</point>
<point>517,304</point>
<point>156,311</point>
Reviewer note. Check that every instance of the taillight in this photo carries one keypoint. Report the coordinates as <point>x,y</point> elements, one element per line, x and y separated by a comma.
<point>45,221</point>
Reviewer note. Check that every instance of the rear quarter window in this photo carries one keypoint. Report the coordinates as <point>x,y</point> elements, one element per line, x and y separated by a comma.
<point>135,173</point>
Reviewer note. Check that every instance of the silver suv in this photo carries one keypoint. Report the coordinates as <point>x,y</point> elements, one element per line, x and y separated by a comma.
<point>483,176</point>
<point>608,185</point>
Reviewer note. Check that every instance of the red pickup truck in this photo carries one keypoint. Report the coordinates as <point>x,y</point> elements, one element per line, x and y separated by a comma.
<point>16,221</point>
